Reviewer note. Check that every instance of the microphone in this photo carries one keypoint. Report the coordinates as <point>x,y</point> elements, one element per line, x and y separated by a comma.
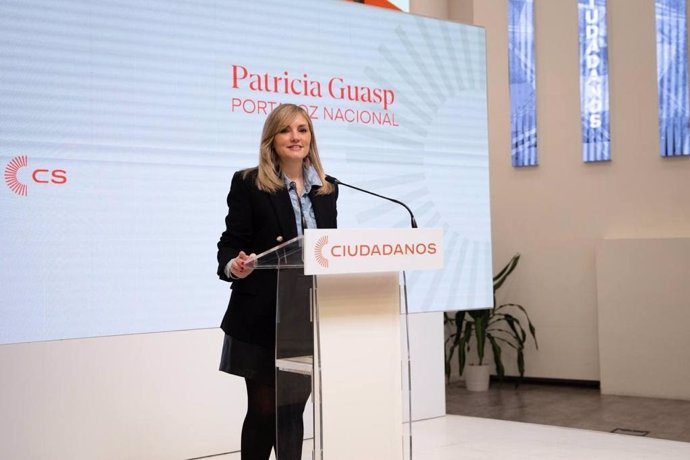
<point>293,186</point>
<point>335,181</point>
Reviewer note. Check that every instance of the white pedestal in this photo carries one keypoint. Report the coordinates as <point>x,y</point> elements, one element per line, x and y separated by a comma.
<point>360,358</point>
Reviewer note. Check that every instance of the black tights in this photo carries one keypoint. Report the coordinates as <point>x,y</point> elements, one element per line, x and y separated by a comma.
<point>259,428</point>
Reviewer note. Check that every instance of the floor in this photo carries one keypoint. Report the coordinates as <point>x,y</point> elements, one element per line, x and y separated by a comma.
<point>574,407</point>
<point>546,422</point>
<point>456,437</point>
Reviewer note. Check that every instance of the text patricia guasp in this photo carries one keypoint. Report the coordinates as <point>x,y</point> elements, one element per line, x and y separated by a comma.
<point>335,88</point>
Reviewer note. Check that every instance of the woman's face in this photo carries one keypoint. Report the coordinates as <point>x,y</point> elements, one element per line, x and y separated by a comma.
<point>292,142</point>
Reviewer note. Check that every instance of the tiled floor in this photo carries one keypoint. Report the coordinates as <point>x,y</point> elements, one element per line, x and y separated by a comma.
<point>573,407</point>
<point>456,437</point>
<point>563,423</point>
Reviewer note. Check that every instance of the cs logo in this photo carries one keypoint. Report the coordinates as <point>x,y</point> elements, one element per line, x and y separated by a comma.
<point>39,175</point>
<point>318,251</point>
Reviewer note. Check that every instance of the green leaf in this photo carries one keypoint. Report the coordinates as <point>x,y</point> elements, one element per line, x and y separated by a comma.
<point>481,321</point>
<point>498,360</point>
<point>462,355</point>
<point>464,347</point>
<point>449,357</point>
<point>459,320</point>
<point>516,327</point>
<point>501,277</point>
<point>532,329</point>
<point>503,325</point>
<point>506,341</point>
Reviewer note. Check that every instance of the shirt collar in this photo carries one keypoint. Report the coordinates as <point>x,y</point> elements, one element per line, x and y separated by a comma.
<point>311,179</point>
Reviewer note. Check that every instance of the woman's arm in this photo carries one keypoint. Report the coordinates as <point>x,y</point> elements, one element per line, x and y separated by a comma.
<point>238,224</point>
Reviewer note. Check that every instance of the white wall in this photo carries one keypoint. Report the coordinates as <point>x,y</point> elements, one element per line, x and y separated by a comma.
<point>433,9</point>
<point>554,214</point>
<point>644,312</point>
<point>152,396</point>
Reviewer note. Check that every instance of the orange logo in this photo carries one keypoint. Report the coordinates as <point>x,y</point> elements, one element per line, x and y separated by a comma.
<point>41,176</point>
<point>11,171</point>
<point>318,251</point>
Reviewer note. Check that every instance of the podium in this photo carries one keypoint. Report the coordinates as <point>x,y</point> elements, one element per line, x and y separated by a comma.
<point>343,337</point>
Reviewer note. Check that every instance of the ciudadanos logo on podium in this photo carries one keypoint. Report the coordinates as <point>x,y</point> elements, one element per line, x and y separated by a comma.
<point>331,251</point>
<point>18,175</point>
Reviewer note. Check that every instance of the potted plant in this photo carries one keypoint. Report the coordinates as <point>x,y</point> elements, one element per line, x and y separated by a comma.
<point>503,325</point>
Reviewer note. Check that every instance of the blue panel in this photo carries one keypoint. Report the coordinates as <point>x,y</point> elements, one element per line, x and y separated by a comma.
<point>594,81</point>
<point>522,74</point>
<point>672,77</point>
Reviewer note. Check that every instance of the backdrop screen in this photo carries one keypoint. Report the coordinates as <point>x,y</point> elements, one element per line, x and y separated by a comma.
<point>122,122</point>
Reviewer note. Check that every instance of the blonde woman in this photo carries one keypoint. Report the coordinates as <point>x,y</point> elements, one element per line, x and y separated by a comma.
<point>268,204</point>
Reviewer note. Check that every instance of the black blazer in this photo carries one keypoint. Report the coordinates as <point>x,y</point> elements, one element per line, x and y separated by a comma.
<point>255,222</point>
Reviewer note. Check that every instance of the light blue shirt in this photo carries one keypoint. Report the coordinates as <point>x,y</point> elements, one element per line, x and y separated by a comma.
<point>311,178</point>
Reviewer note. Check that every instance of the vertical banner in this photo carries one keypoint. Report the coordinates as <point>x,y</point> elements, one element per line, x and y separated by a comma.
<point>522,75</point>
<point>594,81</point>
<point>672,77</point>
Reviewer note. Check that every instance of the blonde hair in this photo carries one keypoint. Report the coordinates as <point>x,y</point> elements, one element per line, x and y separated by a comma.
<point>269,177</point>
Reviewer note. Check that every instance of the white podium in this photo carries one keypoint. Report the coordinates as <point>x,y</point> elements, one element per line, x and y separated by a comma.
<point>348,332</point>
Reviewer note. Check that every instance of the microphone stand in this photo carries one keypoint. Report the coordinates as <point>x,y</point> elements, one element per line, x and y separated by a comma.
<point>333,180</point>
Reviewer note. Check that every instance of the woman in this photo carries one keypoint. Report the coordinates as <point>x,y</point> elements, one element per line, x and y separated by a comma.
<point>269,204</point>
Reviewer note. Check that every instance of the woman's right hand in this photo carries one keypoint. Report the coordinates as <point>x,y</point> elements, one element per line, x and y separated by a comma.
<point>242,265</point>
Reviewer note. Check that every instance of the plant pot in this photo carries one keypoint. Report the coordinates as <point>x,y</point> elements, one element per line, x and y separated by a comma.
<point>477,377</point>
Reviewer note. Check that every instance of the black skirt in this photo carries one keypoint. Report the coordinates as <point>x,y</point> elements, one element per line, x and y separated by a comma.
<point>248,360</point>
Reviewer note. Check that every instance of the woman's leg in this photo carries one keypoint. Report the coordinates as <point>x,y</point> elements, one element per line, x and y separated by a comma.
<point>293,393</point>
<point>258,430</point>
